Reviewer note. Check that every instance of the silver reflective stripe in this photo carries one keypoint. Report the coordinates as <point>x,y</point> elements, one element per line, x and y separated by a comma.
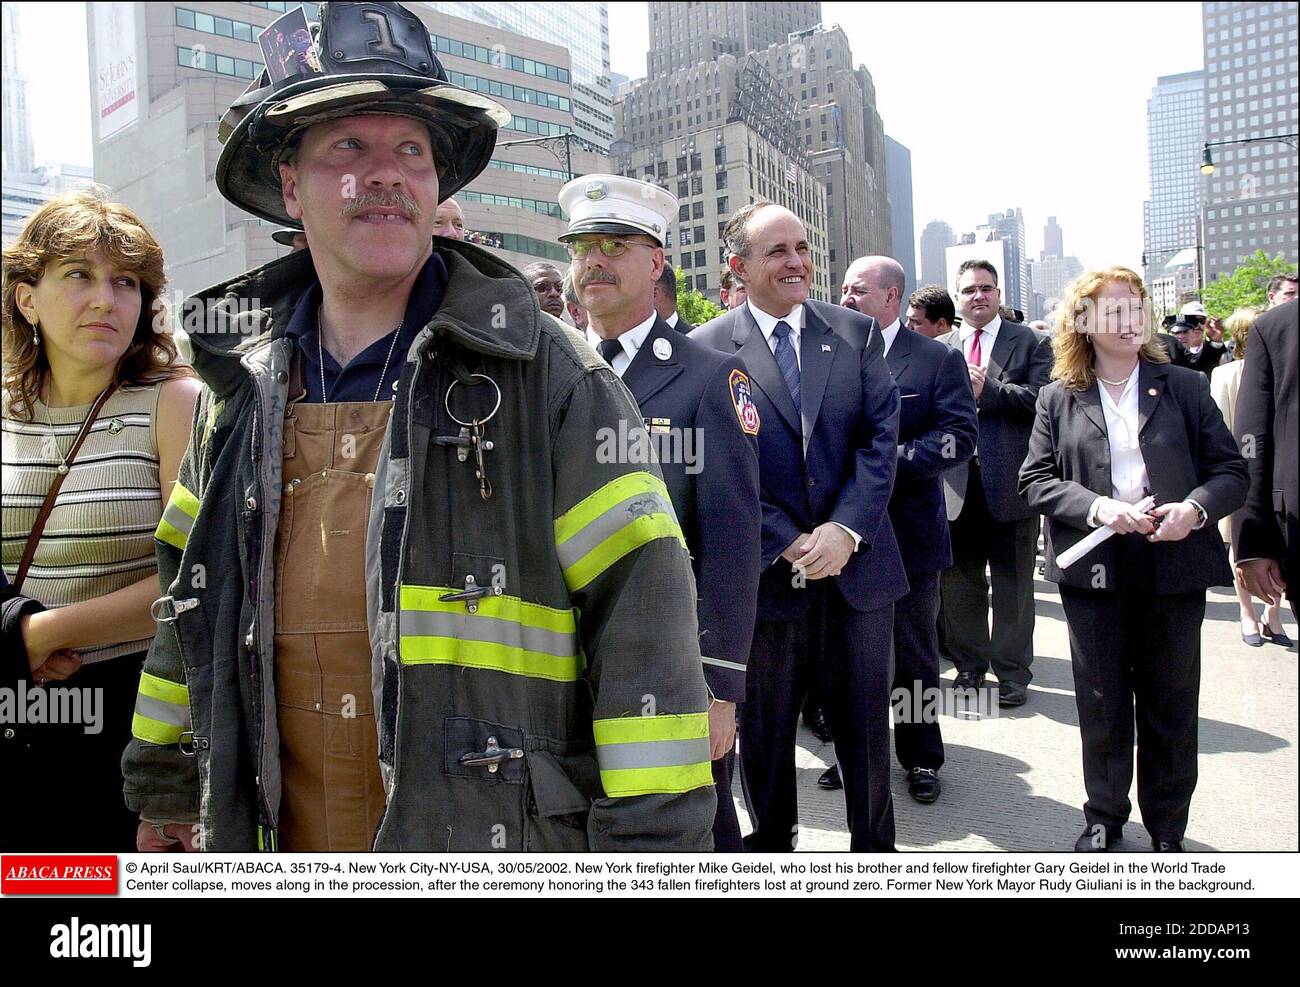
<point>178,519</point>
<point>721,663</point>
<point>155,709</point>
<point>652,754</point>
<point>424,623</point>
<point>611,522</point>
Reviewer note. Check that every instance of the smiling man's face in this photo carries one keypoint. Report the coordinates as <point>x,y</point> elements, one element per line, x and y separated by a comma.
<point>366,191</point>
<point>778,271</point>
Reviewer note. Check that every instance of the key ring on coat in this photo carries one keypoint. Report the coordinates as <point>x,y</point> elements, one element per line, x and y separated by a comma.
<point>477,422</point>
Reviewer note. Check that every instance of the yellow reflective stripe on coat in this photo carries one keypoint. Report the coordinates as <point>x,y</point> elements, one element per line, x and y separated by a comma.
<point>162,711</point>
<point>653,755</point>
<point>178,518</point>
<point>619,518</point>
<point>505,634</point>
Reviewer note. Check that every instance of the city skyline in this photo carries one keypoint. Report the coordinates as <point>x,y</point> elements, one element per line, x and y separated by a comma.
<point>919,111</point>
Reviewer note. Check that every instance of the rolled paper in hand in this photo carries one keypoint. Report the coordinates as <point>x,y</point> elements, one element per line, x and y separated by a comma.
<point>1085,545</point>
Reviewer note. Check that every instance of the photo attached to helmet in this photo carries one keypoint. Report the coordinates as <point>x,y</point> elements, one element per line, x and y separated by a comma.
<point>288,49</point>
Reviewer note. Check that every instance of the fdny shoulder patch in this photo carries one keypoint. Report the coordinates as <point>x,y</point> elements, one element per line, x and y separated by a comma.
<point>743,399</point>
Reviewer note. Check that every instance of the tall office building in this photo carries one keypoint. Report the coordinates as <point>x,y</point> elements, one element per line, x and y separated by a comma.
<point>582,28</point>
<point>684,34</point>
<point>1251,80</point>
<point>1175,135</point>
<point>802,96</point>
<point>18,154</point>
<point>898,171</point>
<point>936,238</point>
<point>161,75</point>
<point>714,172</point>
<point>1053,239</point>
<point>1010,227</point>
<point>1049,278</point>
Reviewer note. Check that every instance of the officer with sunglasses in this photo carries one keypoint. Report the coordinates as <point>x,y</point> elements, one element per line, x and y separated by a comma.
<point>701,422</point>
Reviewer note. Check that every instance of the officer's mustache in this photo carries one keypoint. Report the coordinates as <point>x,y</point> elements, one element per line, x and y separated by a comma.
<point>410,208</point>
<point>596,276</point>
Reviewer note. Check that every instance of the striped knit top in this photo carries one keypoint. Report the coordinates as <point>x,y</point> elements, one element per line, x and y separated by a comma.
<point>99,536</point>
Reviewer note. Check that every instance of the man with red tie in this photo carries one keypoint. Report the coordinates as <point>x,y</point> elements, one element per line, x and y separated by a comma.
<point>994,526</point>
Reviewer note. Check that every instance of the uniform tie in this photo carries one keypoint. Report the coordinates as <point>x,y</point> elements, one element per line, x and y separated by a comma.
<point>609,348</point>
<point>788,361</point>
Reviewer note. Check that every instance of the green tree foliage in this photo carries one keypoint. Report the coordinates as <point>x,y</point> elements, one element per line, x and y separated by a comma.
<point>692,306</point>
<point>1247,285</point>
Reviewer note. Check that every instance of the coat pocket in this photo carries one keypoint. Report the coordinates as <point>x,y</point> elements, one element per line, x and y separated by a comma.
<point>557,806</point>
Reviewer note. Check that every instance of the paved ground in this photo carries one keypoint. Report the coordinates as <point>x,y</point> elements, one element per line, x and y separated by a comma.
<point>1015,782</point>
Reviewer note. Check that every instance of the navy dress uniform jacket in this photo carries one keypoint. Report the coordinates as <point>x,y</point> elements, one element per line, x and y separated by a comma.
<point>695,391</point>
<point>835,462</point>
<point>937,431</point>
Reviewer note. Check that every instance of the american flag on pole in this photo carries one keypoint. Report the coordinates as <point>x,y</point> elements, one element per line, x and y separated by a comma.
<point>791,173</point>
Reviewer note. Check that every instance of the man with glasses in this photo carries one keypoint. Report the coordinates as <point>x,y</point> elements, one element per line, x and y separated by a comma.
<point>1007,363</point>
<point>701,421</point>
<point>548,282</point>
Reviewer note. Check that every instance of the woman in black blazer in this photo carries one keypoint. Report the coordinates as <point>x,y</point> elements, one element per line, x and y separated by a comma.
<point>1119,422</point>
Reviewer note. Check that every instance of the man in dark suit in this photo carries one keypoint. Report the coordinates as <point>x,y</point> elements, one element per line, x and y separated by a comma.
<point>936,431</point>
<point>831,568</point>
<point>666,300</point>
<point>1007,364</point>
<point>702,422</point>
<point>1267,532</point>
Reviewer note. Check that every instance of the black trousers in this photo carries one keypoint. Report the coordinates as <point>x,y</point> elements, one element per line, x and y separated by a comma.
<point>916,669</point>
<point>726,827</point>
<point>848,653</point>
<point>1008,548</point>
<point>1137,653</point>
<point>62,786</point>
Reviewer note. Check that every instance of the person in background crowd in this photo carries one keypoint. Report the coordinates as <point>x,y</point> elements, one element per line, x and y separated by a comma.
<point>832,572</point>
<point>937,429</point>
<point>732,291</point>
<point>296,239</point>
<point>571,304</point>
<point>666,300</point>
<point>548,282</point>
<point>96,410</point>
<point>1117,423</point>
<point>1038,325</point>
<point>930,311</point>
<point>1225,382</point>
<point>1202,339</point>
<point>449,220</point>
<point>994,527</point>
<point>1281,289</point>
<point>1266,532</point>
<point>682,387</point>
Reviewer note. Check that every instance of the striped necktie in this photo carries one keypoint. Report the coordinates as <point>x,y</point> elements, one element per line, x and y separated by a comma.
<point>788,361</point>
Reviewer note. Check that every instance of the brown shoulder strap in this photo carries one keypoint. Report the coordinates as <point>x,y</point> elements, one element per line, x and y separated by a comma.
<point>34,538</point>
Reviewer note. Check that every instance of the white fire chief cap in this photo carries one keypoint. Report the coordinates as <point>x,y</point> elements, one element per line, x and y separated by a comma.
<point>614,204</point>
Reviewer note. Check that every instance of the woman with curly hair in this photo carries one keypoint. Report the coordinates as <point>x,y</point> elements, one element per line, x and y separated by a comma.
<point>1117,425</point>
<point>95,418</point>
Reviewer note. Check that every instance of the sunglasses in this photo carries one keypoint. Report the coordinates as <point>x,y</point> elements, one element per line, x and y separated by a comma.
<point>609,246</point>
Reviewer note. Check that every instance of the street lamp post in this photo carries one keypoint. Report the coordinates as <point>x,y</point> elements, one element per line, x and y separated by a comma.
<point>1207,160</point>
<point>552,144</point>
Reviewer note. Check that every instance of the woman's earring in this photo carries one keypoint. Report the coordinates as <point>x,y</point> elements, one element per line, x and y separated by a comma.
<point>36,334</point>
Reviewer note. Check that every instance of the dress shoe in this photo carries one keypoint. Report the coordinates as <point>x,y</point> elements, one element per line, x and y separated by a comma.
<point>830,779</point>
<point>923,784</point>
<point>968,681</point>
<point>1165,846</point>
<point>819,727</point>
<point>1254,640</point>
<point>1277,637</point>
<point>1098,837</point>
<point>1012,694</point>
